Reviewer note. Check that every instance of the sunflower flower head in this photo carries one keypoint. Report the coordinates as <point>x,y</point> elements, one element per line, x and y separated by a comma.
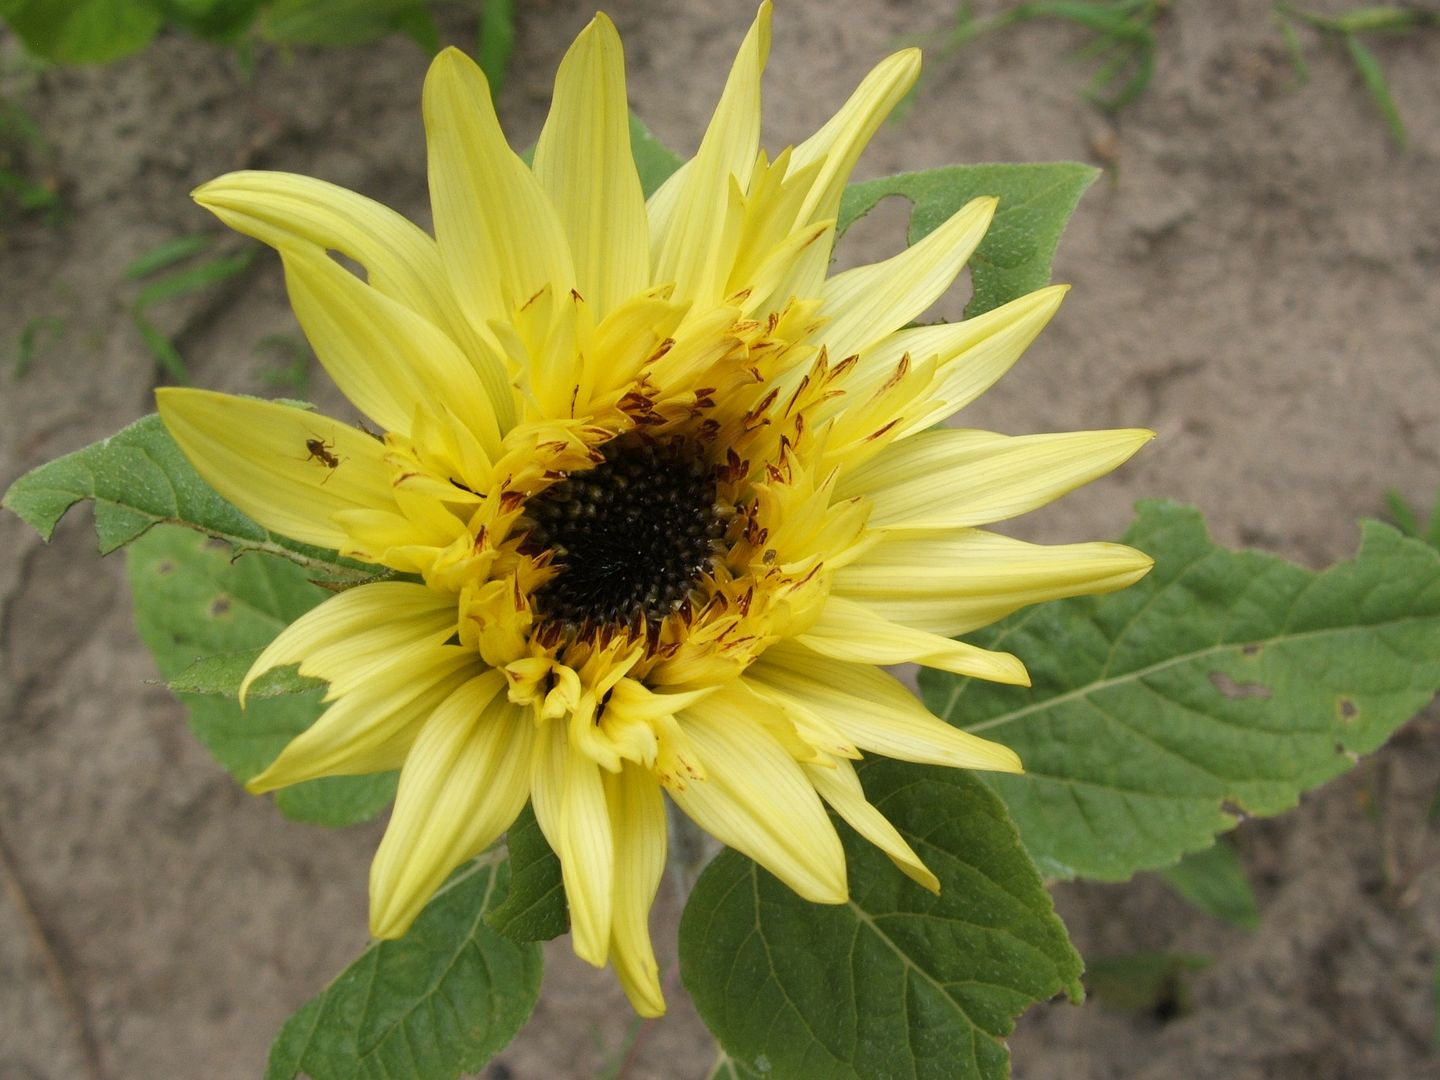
<point>653,495</point>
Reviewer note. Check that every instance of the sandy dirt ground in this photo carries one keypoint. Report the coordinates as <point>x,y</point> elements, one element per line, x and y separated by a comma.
<point>1255,277</point>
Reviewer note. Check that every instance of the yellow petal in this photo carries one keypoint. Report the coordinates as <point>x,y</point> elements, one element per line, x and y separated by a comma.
<point>372,726</point>
<point>970,355</point>
<point>693,252</point>
<point>382,355</point>
<point>637,821</point>
<point>840,787</point>
<point>289,469</point>
<point>500,239</point>
<point>850,631</point>
<point>863,305</point>
<point>464,782</point>
<point>400,259</point>
<point>570,806</point>
<point>756,799</point>
<point>835,148</point>
<point>951,585</point>
<point>874,711</point>
<point>584,163</point>
<point>951,479</point>
<point>399,611</point>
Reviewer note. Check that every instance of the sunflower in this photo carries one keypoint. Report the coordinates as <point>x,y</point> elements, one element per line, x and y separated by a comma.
<point>653,494</point>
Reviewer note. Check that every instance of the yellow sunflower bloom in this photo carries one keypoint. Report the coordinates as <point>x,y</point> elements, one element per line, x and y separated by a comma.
<point>663,493</point>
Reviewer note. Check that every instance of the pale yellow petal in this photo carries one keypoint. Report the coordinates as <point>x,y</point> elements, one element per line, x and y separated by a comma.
<point>464,782</point>
<point>584,163</point>
<point>951,479</point>
<point>953,584</point>
<point>400,259</point>
<point>840,787</point>
<point>874,711</point>
<point>372,726</point>
<point>385,358</point>
<point>756,799</point>
<point>864,305</point>
<point>835,148</point>
<point>970,356</point>
<point>499,236</point>
<point>637,821</point>
<point>289,469</point>
<point>570,807</point>
<point>693,252</point>
<point>847,630</point>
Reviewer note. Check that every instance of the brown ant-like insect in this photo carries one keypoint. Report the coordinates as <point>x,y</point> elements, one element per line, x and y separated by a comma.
<point>322,451</point>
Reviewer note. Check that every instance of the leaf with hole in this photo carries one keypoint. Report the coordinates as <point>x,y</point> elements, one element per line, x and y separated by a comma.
<point>1226,682</point>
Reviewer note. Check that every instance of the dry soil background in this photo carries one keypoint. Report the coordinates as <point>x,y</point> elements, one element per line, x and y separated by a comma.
<point>1255,277</point>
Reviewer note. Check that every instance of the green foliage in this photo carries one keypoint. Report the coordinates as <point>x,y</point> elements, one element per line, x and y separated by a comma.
<point>96,31</point>
<point>138,478</point>
<point>496,40</point>
<point>185,281</point>
<point>653,159</point>
<point>1345,28</point>
<point>1122,40</point>
<point>82,31</point>
<point>1014,258</point>
<point>1224,682</point>
<point>1146,981</point>
<point>27,182</point>
<point>194,599</point>
<point>438,1002</point>
<point>1409,523</point>
<point>896,982</point>
<point>534,909</point>
<point>1213,879</point>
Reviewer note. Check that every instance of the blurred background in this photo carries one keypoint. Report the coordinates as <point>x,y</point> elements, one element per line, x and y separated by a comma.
<point>1256,276</point>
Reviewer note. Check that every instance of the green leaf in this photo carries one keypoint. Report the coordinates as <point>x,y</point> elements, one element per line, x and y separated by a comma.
<point>438,1002</point>
<point>1144,981</point>
<point>1214,881</point>
<point>82,31</point>
<point>340,22</point>
<point>1014,258</point>
<point>897,981</point>
<point>496,41</point>
<point>653,159</point>
<point>194,598</point>
<point>168,254</point>
<point>534,908</point>
<point>1224,682</point>
<point>1368,64</point>
<point>138,478</point>
<point>222,21</point>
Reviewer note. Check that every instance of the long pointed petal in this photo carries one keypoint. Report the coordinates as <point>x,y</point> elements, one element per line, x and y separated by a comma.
<point>756,799</point>
<point>400,259</point>
<point>840,787</point>
<point>464,781</point>
<point>499,236</point>
<point>850,631</point>
<point>637,821</point>
<point>383,356</point>
<point>289,469</point>
<point>864,305</point>
<point>950,585</point>
<point>873,710</point>
<point>691,251</point>
<point>584,163</point>
<point>952,479</point>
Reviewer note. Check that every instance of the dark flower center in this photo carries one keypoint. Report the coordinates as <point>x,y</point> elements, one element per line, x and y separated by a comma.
<point>631,536</point>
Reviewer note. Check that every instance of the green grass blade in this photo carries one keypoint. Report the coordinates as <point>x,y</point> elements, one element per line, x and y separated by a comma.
<point>1370,71</point>
<point>167,254</point>
<point>497,41</point>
